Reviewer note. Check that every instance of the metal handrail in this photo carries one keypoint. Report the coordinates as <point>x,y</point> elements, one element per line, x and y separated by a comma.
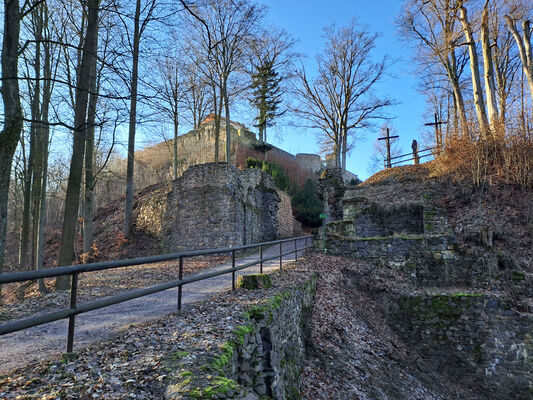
<point>75,270</point>
<point>100,266</point>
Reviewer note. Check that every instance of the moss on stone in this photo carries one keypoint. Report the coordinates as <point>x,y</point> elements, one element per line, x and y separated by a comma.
<point>254,282</point>
<point>241,331</point>
<point>219,385</point>
<point>466,295</point>
<point>178,355</point>
<point>223,359</point>
<point>380,238</point>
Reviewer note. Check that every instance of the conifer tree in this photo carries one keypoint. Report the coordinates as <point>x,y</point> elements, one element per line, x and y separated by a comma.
<point>266,96</point>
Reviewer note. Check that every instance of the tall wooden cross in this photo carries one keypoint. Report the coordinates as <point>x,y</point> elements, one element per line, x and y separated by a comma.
<point>388,138</point>
<point>438,130</point>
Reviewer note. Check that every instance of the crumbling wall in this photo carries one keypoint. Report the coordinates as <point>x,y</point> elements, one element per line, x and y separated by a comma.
<point>472,337</point>
<point>266,358</point>
<point>331,192</point>
<point>217,205</point>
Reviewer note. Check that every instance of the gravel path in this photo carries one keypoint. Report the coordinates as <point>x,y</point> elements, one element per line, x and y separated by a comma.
<point>48,341</point>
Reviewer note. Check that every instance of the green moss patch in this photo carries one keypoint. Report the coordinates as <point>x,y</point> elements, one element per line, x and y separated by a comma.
<point>219,385</point>
<point>254,282</point>
<point>518,276</point>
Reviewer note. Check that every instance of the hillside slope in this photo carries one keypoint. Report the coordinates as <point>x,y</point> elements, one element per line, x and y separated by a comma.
<point>447,268</point>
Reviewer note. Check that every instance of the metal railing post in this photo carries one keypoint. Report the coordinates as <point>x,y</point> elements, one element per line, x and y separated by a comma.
<point>280,255</point>
<point>295,250</point>
<point>180,287</point>
<point>72,318</point>
<point>261,259</point>
<point>233,272</point>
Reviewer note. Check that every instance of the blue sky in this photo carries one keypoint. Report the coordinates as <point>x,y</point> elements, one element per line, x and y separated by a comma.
<point>304,20</point>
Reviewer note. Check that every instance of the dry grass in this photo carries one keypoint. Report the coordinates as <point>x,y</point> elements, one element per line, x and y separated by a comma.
<point>501,161</point>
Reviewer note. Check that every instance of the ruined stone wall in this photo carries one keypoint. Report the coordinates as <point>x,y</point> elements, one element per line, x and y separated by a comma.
<point>288,226</point>
<point>472,337</point>
<point>155,163</point>
<point>266,359</point>
<point>292,166</point>
<point>217,205</point>
<point>198,147</point>
<point>310,161</point>
<point>462,309</point>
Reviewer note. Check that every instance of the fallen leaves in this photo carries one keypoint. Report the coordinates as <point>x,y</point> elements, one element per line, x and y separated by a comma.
<point>141,361</point>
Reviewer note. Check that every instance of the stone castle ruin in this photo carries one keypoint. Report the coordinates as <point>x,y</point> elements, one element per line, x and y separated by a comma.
<point>217,205</point>
<point>460,308</point>
<point>154,164</point>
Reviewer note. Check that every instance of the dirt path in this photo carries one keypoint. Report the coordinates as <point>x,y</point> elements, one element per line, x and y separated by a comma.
<point>49,341</point>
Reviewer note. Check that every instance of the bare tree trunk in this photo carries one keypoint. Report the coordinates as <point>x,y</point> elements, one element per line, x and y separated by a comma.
<point>176,126</point>
<point>39,243</point>
<point>26,208</point>
<point>479,102</point>
<point>490,86</point>
<point>72,200</point>
<point>217,104</point>
<point>10,90</point>
<point>128,217</point>
<point>524,49</point>
<point>88,206</point>
<point>344,150</point>
<point>228,123</point>
<point>37,135</point>
<point>45,132</point>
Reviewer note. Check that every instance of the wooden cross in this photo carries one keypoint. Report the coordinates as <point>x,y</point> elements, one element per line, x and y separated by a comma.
<point>438,130</point>
<point>388,138</point>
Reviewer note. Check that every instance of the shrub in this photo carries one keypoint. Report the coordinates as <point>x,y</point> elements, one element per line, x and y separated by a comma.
<point>306,205</point>
<point>274,170</point>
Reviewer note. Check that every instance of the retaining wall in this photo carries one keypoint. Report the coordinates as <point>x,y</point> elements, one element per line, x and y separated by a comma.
<point>266,357</point>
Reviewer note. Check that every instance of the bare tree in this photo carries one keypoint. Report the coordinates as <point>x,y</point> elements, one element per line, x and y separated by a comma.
<point>506,63</point>
<point>488,63</point>
<point>12,128</point>
<point>479,101</point>
<point>78,148</point>
<point>524,45</point>
<point>197,101</point>
<point>432,25</point>
<point>171,93</point>
<point>224,36</point>
<point>139,27</point>
<point>341,99</point>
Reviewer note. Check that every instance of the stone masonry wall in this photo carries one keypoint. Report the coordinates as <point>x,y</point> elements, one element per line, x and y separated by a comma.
<point>370,219</point>
<point>471,336</point>
<point>217,205</point>
<point>288,226</point>
<point>266,358</point>
<point>154,164</point>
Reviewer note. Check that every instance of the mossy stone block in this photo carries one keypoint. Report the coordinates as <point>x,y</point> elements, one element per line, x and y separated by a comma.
<point>254,282</point>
